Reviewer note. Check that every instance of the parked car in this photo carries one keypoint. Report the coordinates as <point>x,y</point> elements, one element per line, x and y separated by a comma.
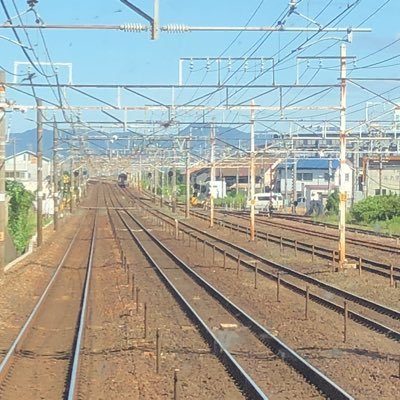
<point>262,201</point>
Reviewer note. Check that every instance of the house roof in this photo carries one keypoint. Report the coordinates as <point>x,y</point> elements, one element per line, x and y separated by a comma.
<point>26,152</point>
<point>311,163</point>
<point>317,163</point>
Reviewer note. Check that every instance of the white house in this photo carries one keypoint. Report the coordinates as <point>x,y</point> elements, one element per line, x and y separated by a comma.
<point>25,165</point>
<point>312,179</point>
<point>26,169</point>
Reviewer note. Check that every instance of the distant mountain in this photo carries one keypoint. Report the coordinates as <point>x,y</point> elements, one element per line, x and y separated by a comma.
<point>232,136</point>
<point>27,141</point>
<point>226,137</point>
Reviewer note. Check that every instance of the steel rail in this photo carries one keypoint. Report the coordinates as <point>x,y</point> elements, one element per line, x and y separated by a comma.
<point>333,289</point>
<point>319,251</point>
<point>73,376</point>
<point>305,220</point>
<point>313,375</point>
<point>357,317</point>
<point>5,364</point>
<point>384,310</point>
<point>245,382</point>
<point>357,242</point>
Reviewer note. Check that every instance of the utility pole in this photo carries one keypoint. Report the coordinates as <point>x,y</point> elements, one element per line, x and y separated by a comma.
<point>380,174</point>
<point>294,182</point>
<point>174,183</point>
<point>162,188</point>
<point>212,175</point>
<point>55,177</point>
<point>187,210</point>
<point>39,152</point>
<point>252,174</point>
<point>140,173</point>
<point>286,180</point>
<point>329,176</point>
<point>366,180</point>
<point>155,184</point>
<point>343,134</point>
<point>71,181</point>
<point>14,160</point>
<point>237,180</point>
<point>3,222</point>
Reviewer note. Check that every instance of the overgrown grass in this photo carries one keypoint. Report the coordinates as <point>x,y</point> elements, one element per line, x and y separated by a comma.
<point>391,227</point>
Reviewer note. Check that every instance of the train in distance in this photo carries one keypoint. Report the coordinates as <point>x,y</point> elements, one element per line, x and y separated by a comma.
<point>123,180</point>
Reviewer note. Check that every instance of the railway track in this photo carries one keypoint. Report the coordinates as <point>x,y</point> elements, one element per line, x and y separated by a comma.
<point>43,360</point>
<point>386,270</point>
<point>309,221</point>
<point>215,308</point>
<point>274,222</point>
<point>383,319</point>
<point>369,265</point>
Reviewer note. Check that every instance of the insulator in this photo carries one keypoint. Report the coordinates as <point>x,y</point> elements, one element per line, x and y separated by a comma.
<point>229,65</point>
<point>175,28</point>
<point>191,64</point>
<point>208,64</point>
<point>133,27</point>
<point>320,64</point>
<point>246,65</point>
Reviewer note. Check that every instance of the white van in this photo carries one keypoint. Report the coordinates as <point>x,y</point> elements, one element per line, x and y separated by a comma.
<point>262,201</point>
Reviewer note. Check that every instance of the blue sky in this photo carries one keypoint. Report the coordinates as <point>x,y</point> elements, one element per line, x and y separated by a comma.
<point>105,56</point>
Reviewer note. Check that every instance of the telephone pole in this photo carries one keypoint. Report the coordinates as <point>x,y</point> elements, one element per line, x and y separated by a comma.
<point>3,222</point>
<point>39,153</point>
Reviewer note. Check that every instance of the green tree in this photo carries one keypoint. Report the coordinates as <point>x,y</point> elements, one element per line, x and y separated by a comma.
<point>19,208</point>
<point>332,203</point>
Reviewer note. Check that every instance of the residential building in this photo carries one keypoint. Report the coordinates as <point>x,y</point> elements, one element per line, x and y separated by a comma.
<point>26,169</point>
<point>381,175</point>
<point>312,179</point>
<point>23,166</point>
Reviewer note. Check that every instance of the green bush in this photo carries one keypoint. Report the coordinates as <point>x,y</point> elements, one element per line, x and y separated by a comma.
<point>232,199</point>
<point>377,208</point>
<point>19,214</point>
<point>332,203</point>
